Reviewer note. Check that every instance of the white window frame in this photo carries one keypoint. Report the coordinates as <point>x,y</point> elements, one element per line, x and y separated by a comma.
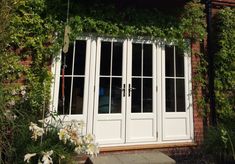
<point>88,112</point>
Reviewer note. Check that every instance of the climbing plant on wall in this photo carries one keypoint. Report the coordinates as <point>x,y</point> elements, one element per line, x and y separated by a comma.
<point>225,64</point>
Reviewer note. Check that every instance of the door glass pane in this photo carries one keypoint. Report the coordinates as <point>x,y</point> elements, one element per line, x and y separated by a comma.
<point>117,58</point>
<point>104,95</point>
<point>136,59</point>
<point>136,95</point>
<point>147,68</point>
<point>170,95</point>
<point>78,95</point>
<point>180,95</point>
<point>147,96</point>
<point>105,59</point>
<point>116,95</point>
<point>80,57</point>
<point>179,57</point>
<point>69,60</point>
<point>169,61</point>
<point>67,88</point>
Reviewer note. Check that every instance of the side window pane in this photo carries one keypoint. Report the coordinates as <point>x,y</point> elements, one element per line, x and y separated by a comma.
<point>179,57</point>
<point>147,95</point>
<point>169,61</point>
<point>136,96</point>
<point>117,58</point>
<point>116,95</point>
<point>147,68</point>
<point>78,94</point>
<point>80,58</point>
<point>69,60</point>
<point>170,95</point>
<point>136,59</point>
<point>105,59</point>
<point>180,95</point>
<point>104,95</point>
<point>67,89</point>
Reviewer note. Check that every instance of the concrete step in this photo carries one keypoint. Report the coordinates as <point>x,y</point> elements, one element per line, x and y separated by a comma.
<point>145,157</point>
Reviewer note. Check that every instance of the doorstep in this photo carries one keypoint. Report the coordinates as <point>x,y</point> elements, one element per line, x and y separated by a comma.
<point>146,146</point>
<point>144,157</point>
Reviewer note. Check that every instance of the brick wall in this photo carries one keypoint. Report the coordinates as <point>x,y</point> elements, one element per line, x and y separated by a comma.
<point>197,115</point>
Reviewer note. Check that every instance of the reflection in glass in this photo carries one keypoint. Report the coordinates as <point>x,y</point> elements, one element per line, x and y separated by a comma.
<point>180,95</point>
<point>105,58</point>
<point>179,57</point>
<point>104,95</point>
<point>117,59</point>
<point>170,95</point>
<point>80,57</point>
<point>136,95</point>
<point>169,61</point>
<point>78,93</point>
<point>116,95</point>
<point>67,89</point>
<point>69,60</point>
<point>136,59</point>
<point>147,55</point>
<point>147,95</point>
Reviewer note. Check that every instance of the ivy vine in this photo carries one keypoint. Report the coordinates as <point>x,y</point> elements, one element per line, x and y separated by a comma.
<point>102,20</point>
<point>225,64</point>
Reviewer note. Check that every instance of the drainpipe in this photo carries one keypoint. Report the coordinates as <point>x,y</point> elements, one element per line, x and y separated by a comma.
<point>211,71</point>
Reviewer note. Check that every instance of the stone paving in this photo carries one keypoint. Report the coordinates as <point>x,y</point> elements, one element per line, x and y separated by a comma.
<point>148,157</point>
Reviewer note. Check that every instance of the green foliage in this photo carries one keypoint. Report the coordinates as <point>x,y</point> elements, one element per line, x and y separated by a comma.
<point>225,65</point>
<point>34,36</point>
<point>106,20</point>
<point>220,142</point>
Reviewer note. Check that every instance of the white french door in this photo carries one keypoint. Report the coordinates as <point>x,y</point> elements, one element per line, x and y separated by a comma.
<point>126,90</point>
<point>141,99</point>
<point>110,92</point>
<point>125,110</point>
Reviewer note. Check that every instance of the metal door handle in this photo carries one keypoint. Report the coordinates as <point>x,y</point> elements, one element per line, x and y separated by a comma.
<point>123,90</point>
<point>130,89</point>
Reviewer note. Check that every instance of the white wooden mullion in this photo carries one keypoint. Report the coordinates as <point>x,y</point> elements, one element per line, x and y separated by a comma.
<point>110,78</point>
<point>160,97</point>
<point>142,80</point>
<point>92,81</point>
<point>154,85</point>
<point>56,84</point>
<point>85,110</point>
<point>174,61</point>
<point>71,89</point>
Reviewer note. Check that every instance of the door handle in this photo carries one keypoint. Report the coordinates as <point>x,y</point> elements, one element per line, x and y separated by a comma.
<point>123,90</point>
<point>130,89</point>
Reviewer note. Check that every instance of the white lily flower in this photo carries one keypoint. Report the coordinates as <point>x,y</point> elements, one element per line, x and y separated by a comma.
<point>46,159</point>
<point>28,156</point>
<point>37,131</point>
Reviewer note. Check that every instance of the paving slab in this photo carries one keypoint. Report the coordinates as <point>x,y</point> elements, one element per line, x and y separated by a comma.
<point>145,157</point>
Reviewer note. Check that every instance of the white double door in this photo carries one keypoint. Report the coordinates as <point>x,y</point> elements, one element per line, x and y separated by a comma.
<point>125,92</point>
